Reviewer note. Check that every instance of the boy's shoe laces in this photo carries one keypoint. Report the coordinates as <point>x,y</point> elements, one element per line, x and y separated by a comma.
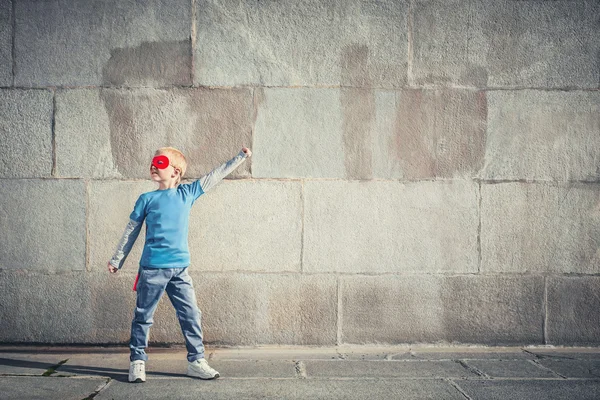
<point>137,368</point>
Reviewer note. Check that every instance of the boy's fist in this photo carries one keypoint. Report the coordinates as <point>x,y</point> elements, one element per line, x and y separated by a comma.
<point>247,151</point>
<point>112,269</point>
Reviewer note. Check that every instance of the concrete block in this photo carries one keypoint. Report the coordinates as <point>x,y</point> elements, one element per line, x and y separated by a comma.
<point>543,135</point>
<point>19,363</point>
<point>540,228</point>
<point>447,43</point>
<point>586,369</point>
<point>494,310</point>
<point>386,369</point>
<point>6,33</point>
<point>510,369</point>
<point>112,300</point>
<point>298,133</point>
<point>264,353</point>
<point>26,126</point>
<point>30,387</point>
<point>490,43</point>
<point>248,309</point>
<point>45,224</point>
<point>527,389</point>
<point>348,227</point>
<point>83,135</point>
<point>247,226</point>
<point>43,308</point>
<point>570,353</point>
<point>357,133</point>
<point>466,353</point>
<point>103,43</point>
<point>288,389</point>
<point>110,133</point>
<point>573,317</point>
<point>236,309</point>
<point>9,330</point>
<point>304,43</point>
<point>439,133</point>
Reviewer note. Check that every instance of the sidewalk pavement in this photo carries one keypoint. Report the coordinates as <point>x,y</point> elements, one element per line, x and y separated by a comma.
<point>344,372</point>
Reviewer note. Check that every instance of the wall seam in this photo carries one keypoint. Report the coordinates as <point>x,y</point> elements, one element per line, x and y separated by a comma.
<point>86,184</point>
<point>545,301</point>
<point>325,86</point>
<point>479,227</point>
<point>468,28</point>
<point>339,311</point>
<point>409,48</point>
<point>254,116</point>
<point>53,135</point>
<point>339,275</point>
<point>13,21</point>
<point>193,44</point>
<point>302,226</point>
<point>561,184</point>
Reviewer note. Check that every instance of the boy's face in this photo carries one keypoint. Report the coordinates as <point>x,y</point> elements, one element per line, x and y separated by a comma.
<point>161,168</point>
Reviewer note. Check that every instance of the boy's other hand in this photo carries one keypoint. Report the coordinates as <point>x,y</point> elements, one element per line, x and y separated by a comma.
<point>112,269</point>
<point>247,151</point>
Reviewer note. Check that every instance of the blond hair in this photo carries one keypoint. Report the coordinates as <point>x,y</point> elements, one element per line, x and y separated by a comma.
<point>176,159</point>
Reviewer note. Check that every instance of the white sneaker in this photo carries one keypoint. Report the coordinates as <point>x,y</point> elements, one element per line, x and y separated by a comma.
<point>137,371</point>
<point>201,369</point>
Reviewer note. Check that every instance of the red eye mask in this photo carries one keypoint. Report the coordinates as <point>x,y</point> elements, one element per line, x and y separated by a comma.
<point>160,162</point>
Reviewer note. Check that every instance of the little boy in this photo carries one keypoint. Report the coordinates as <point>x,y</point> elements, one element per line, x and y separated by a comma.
<point>165,258</point>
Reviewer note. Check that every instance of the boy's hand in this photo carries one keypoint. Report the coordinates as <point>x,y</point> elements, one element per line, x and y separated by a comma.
<point>247,151</point>
<point>112,269</point>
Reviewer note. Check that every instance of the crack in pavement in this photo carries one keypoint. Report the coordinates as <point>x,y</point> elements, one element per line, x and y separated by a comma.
<point>98,389</point>
<point>53,368</point>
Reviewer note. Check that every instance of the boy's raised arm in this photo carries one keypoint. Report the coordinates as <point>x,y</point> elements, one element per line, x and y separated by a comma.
<point>215,176</point>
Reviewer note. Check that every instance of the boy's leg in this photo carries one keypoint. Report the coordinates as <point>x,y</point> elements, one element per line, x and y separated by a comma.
<point>181,293</point>
<point>150,287</point>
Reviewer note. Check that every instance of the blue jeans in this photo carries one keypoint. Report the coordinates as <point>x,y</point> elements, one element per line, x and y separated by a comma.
<point>179,286</point>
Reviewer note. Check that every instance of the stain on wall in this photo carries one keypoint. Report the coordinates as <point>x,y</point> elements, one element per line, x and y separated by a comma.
<point>126,145</point>
<point>207,125</point>
<point>358,111</point>
<point>150,64</point>
<point>414,148</point>
<point>440,133</point>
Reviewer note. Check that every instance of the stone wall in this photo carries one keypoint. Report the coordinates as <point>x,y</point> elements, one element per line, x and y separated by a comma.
<point>422,171</point>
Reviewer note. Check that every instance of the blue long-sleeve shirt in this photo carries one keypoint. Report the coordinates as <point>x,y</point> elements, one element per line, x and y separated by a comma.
<point>167,217</point>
